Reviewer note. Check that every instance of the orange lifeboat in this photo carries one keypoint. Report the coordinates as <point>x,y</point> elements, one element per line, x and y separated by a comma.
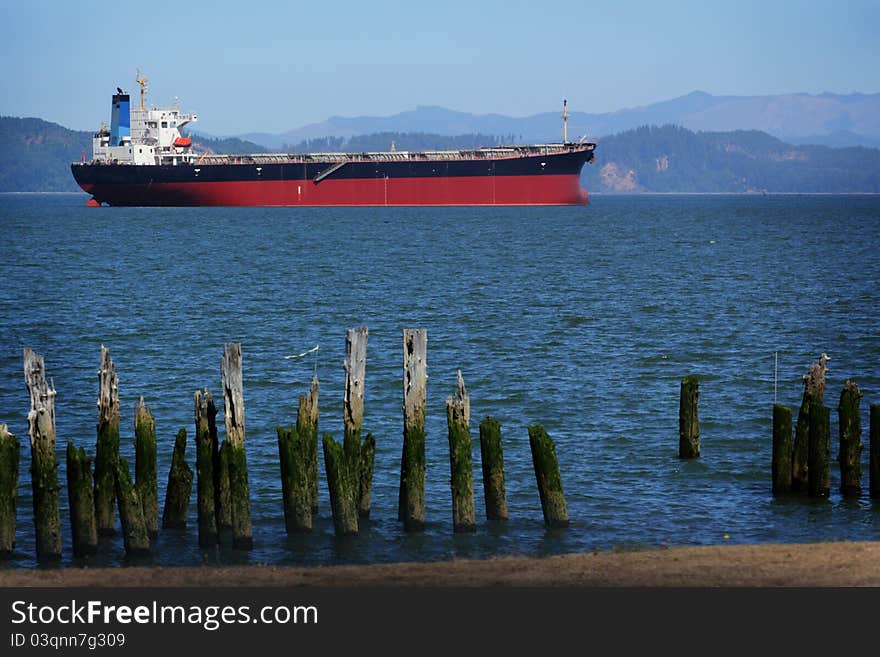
<point>183,142</point>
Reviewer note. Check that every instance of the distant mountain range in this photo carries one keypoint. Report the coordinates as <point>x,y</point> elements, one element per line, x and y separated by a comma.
<point>826,119</point>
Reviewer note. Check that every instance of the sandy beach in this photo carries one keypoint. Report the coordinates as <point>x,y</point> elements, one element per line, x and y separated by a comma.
<point>813,565</point>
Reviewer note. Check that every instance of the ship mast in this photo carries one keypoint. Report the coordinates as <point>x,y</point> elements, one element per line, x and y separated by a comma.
<point>143,82</point>
<point>565,121</point>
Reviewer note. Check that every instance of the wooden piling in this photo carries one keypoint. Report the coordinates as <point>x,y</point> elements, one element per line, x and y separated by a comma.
<point>343,491</point>
<point>205,483</point>
<point>547,475</point>
<point>874,448</point>
<point>131,513</point>
<point>411,502</point>
<point>296,491</point>
<point>307,428</point>
<point>220,464</point>
<point>458,417</point>
<point>44,469</point>
<point>492,460</point>
<point>179,489</point>
<point>233,407</point>
<point>850,431</point>
<point>360,461</point>
<point>107,447</point>
<point>782,450</point>
<point>81,499</point>
<point>819,459</point>
<point>9,460</point>
<point>814,391</point>
<point>145,476</point>
<point>688,419</point>
<point>365,475</point>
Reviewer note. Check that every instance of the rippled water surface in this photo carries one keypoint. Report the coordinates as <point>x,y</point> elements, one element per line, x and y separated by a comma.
<point>580,319</point>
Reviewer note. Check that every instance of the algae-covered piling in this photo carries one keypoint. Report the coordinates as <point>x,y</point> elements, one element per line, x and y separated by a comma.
<point>131,513</point>
<point>492,459</point>
<point>296,491</point>
<point>83,527</point>
<point>307,428</point>
<point>850,453</point>
<point>44,468</point>
<point>874,462</point>
<point>411,502</point>
<point>782,450</point>
<point>458,417</point>
<point>547,475</point>
<point>359,457</point>
<point>146,478</point>
<point>9,464</point>
<point>814,391</point>
<point>179,489</point>
<point>233,407</point>
<point>107,447</point>
<point>688,418</point>
<point>343,490</point>
<point>205,484</point>
<point>819,460</point>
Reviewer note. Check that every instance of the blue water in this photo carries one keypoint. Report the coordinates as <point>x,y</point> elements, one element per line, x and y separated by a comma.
<point>581,319</point>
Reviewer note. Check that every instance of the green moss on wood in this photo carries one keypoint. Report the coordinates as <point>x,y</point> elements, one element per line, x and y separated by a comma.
<point>131,513</point>
<point>9,469</point>
<point>106,459</point>
<point>343,491</point>
<point>179,489</point>
<point>240,497</point>
<point>294,455</point>
<point>547,475</point>
<point>146,478</point>
<point>205,482</point>
<point>83,527</point>
<point>47,518</point>
<point>850,433</point>
<point>688,418</point>
<point>365,475</point>
<point>782,450</point>
<point>819,461</point>
<point>461,471</point>
<point>800,466</point>
<point>413,478</point>
<point>492,458</point>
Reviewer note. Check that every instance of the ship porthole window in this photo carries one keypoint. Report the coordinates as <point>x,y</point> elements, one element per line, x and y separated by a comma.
<point>164,124</point>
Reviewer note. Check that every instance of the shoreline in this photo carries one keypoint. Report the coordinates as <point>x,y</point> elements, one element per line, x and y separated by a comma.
<point>838,564</point>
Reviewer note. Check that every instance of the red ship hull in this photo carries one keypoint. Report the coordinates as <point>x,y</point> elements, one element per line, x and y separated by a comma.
<point>511,190</point>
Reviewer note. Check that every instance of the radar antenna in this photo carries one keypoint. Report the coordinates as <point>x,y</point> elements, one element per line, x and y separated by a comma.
<point>143,82</point>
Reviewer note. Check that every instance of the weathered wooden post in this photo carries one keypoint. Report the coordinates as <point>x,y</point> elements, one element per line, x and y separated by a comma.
<point>145,476</point>
<point>220,461</point>
<point>179,489</point>
<point>82,502</point>
<point>359,456</point>
<point>850,454</point>
<point>233,408</point>
<point>492,459</point>
<point>458,418</point>
<point>307,428</point>
<point>782,449</point>
<point>814,391</point>
<point>205,485</point>
<point>296,489</point>
<point>9,458</point>
<point>548,477</point>
<point>819,458</point>
<point>411,504</point>
<point>44,469</point>
<point>107,448</point>
<point>131,513</point>
<point>343,491</point>
<point>874,464</point>
<point>688,419</point>
<point>365,475</point>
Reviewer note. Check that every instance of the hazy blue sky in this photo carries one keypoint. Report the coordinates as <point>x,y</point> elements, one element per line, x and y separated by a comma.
<point>272,66</point>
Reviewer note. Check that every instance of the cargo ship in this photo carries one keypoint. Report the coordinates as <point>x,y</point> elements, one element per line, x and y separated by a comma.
<point>144,159</point>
